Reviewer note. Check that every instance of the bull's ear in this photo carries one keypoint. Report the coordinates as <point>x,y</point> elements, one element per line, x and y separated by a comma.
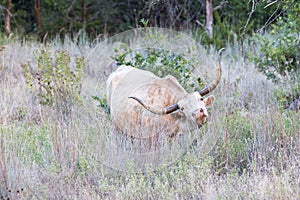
<point>209,100</point>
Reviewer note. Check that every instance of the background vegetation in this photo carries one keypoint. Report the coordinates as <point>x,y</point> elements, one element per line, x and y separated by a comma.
<point>101,17</point>
<point>255,128</point>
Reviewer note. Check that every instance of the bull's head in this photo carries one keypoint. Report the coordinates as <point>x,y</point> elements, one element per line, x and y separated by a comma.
<point>192,104</point>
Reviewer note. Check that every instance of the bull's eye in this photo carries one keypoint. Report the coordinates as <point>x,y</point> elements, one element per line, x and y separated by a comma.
<point>201,99</point>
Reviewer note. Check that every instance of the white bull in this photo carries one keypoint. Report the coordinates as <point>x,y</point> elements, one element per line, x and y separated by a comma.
<point>143,105</point>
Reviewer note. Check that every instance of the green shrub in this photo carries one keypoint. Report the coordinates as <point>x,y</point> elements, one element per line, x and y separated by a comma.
<point>53,80</point>
<point>279,53</point>
<point>161,63</point>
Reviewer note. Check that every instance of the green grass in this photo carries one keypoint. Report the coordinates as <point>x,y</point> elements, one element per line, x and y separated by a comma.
<point>255,154</point>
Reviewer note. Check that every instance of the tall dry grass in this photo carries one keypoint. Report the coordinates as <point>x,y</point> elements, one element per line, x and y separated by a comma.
<point>248,150</point>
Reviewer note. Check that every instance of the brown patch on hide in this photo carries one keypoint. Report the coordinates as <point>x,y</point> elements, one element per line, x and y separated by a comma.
<point>159,95</point>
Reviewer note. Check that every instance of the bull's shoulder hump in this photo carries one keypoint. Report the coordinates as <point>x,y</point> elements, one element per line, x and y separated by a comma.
<point>119,72</point>
<point>129,72</point>
<point>171,79</point>
<point>171,82</point>
<point>126,79</point>
<point>114,79</point>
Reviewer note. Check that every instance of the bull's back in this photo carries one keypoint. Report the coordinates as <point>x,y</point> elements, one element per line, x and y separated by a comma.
<point>124,80</point>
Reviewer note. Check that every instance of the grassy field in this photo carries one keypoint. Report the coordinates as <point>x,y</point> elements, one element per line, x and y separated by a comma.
<point>249,149</point>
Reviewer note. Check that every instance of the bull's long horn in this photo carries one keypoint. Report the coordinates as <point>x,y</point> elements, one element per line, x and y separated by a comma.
<point>214,84</point>
<point>159,111</point>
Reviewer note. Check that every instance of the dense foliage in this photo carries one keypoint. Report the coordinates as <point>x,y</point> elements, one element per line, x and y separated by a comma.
<point>278,53</point>
<point>162,63</point>
<point>107,17</point>
<point>280,48</point>
<point>55,82</point>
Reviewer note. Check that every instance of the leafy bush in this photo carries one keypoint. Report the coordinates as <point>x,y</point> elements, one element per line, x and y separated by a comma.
<point>53,80</point>
<point>161,63</point>
<point>279,52</point>
<point>279,56</point>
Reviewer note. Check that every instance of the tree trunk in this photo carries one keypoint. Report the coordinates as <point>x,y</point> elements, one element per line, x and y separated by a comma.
<point>84,14</point>
<point>7,17</point>
<point>37,14</point>
<point>209,18</point>
<point>38,19</point>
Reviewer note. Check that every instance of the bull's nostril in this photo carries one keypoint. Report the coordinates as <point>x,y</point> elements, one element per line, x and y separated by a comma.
<point>201,110</point>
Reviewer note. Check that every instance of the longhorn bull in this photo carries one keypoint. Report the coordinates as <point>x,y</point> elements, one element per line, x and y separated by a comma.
<point>143,105</point>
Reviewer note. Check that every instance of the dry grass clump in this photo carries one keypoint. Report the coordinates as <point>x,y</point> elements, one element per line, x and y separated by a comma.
<point>248,150</point>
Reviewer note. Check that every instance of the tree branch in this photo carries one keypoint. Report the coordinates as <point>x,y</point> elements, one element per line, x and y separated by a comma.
<point>7,17</point>
<point>270,3</point>
<point>220,5</point>
<point>248,20</point>
<point>199,23</point>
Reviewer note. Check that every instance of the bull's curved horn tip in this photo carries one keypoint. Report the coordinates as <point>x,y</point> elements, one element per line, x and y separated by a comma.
<point>137,99</point>
<point>222,49</point>
<point>213,85</point>
<point>220,52</point>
